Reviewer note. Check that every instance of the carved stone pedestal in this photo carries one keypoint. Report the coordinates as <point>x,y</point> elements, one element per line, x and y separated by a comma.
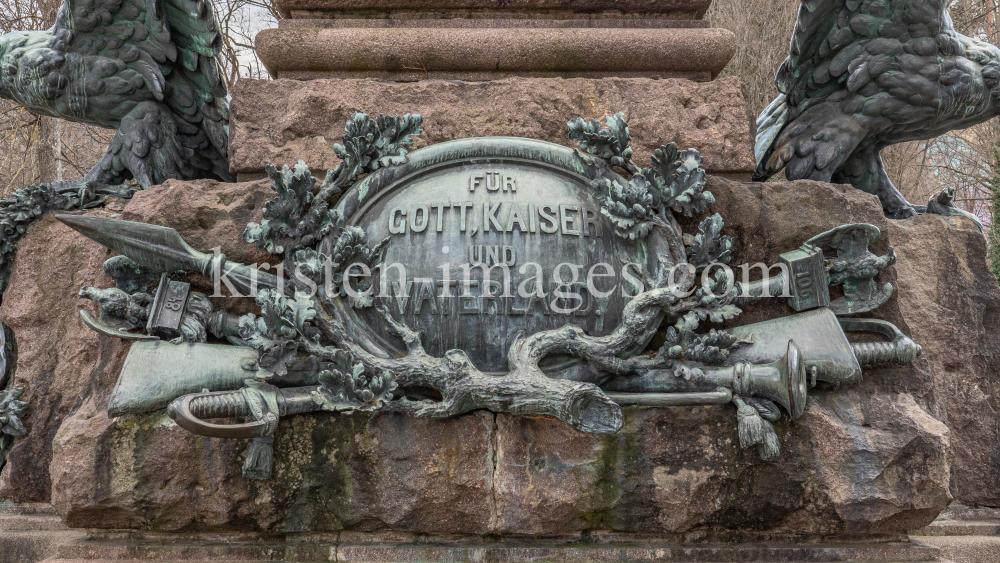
<point>486,39</point>
<point>868,462</point>
<point>281,121</point>
<point>367,548</point>
<point>488,68</point>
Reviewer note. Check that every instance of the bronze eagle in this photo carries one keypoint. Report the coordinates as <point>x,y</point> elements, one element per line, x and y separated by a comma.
<point>147,68</point>
<point>865,74</point>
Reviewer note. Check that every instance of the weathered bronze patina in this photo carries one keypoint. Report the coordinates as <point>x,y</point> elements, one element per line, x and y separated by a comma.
<point>860,77</point>
<point>462,277</point>
<point>489,219</point>
<point>12,409</point>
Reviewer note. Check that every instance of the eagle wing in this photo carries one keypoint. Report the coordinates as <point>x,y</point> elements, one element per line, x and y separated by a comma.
<point>868,55</point>
<point>168,46</point>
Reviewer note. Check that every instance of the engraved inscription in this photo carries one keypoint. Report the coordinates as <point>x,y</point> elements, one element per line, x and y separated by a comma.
<point>479,253</point>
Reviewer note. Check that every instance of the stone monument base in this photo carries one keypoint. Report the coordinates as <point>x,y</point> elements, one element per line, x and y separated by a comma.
<point>964,535</point>
<point>376,548</point>
<point>872,460</point>
<point>32,532</point>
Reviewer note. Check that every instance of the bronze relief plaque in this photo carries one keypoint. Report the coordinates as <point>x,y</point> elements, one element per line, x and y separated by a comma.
<point>489,238</point>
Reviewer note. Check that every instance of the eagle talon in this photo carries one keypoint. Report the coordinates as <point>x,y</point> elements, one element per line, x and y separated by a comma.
<point>85,194</point>
<point>124,191</point>
<point>903,212</point>
<point>93,194</point>
<point>942,203</point>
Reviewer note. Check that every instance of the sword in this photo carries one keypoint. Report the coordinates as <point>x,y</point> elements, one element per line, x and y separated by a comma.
<point>162,249</point>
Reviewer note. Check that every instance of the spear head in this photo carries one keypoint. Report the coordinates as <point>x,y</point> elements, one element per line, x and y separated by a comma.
<point>162,249</point>
<point>158,248</point>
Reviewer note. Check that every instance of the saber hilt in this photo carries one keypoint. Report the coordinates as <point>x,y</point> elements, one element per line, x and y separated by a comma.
<point>262,402</point>
<point>222,405</point>
<point>874,353</point>
<point>901,350</point>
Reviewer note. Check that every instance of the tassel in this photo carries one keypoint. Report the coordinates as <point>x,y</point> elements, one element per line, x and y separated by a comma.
<point>260,459</point>
<point>751,425</point>
<point>769,448</point>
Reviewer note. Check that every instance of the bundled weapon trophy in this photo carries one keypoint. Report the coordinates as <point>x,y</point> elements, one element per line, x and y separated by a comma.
<point>323,344</point>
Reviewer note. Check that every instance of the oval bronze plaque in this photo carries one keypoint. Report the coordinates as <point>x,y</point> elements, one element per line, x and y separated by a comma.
<point>488,238</point>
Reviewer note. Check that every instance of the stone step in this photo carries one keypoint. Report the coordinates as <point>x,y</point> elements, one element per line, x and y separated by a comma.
<point>29,533</point>
<point>960,528</point>
<point>217,549</point>
<point>33,508</point>
<point>966,548</point>
<point>280,561</point>
<point>29,517</point>
<point>158,561</point>
<point>30,523</point>
<point>960,520</point>
<point>668,553</point>
<point>32,547</point>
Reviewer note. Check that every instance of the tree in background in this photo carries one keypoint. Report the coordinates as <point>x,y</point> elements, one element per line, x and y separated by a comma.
<point>240,21</point>
<point>763,30</point>
<point>993,231</point>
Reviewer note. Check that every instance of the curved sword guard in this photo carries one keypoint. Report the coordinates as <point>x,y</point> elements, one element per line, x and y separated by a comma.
<point>190,410</point>
<point>101,327</point>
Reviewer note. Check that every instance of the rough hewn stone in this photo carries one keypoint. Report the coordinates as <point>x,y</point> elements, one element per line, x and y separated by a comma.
<point>855,464</point>
<point>139,472</point>
<point>41,306</point>
<point>946,299</point>
<point>361,473</point>
<point>281,121</point>
<point>867,460</point>
<point>59,357</point>
<point>950,303</point>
